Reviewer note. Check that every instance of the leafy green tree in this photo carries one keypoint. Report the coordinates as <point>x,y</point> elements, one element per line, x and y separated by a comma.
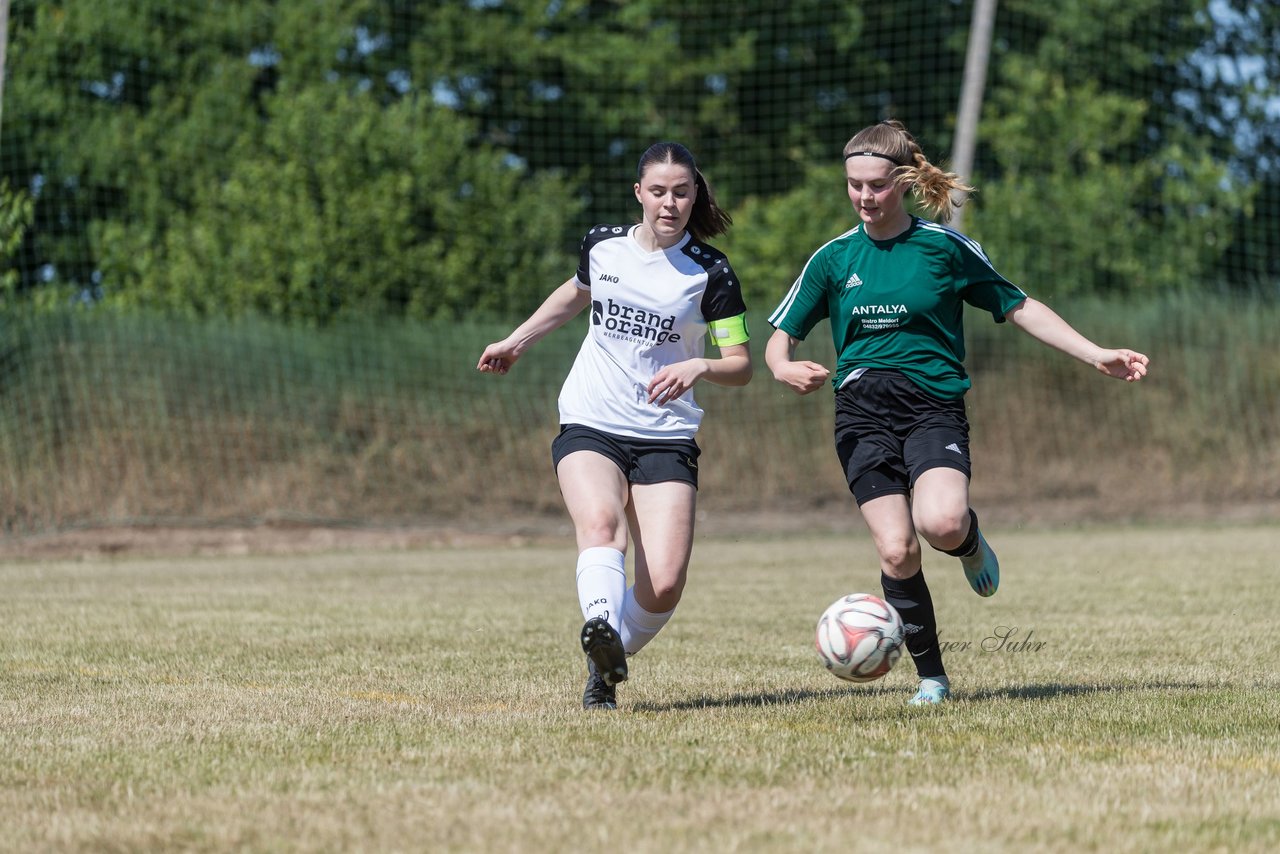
<point>313,160</point>
<point>758,91</point>
<point>1072,212</point>
<point>1112,156</point>
<point>341,206</point>
<point>16,212</point>
<point>217,160</point>
<point>1235,98</point>
<point>100,104</point>
<point>772,237</point>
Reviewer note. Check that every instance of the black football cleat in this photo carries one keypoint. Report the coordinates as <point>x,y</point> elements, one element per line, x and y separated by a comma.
<point>604,649</point>
<point>598,694</point>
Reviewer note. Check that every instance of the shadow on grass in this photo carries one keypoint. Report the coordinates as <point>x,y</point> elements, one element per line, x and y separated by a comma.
<point>1034,691</point>
<point>772,698</point>
<point>1053,690</point>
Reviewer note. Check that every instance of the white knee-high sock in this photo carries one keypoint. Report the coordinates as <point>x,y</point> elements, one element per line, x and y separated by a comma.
<point>602,584</point>
<point>638,625</point>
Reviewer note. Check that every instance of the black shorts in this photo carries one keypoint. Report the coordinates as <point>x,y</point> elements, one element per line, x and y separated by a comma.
<point>889,431</point>
<point>641,460</point>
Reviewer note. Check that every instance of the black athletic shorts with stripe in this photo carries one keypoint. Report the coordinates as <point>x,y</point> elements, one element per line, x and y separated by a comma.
<point>889,431</point>
<point>641,460</point>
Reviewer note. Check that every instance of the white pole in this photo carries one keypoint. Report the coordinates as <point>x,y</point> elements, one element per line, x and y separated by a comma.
<point>975,78</point>
<point>4,46</point>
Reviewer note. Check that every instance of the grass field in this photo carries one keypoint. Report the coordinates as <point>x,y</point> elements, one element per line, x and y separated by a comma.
<point>428,700</point>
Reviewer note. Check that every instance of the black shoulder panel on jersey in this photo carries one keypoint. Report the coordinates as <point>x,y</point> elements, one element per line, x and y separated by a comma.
<point>703,255</point>
<point>604,232</point>
<point>723,296</point>
<point>596,235</point>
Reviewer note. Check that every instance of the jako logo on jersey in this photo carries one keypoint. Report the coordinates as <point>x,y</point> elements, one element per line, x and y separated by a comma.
<point>853,282</point>
<point>634,322</point>
<point>605,277</point>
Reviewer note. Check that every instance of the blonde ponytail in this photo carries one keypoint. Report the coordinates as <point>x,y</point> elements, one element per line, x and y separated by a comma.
<point>931,185</point>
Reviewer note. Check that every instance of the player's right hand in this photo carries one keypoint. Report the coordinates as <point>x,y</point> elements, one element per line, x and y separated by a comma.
<point>802,377</point>
<point>497,358</point>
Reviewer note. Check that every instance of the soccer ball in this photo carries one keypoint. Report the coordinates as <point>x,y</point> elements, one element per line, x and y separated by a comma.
<point>859,637</point>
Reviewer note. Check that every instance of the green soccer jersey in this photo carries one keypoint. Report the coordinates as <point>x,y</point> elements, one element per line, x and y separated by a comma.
<point>898,303</point>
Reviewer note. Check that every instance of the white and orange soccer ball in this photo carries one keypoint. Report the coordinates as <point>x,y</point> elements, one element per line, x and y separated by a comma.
<point>859,637</point>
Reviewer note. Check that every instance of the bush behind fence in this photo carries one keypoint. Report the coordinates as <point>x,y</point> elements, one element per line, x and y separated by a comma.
<point>140,419</point>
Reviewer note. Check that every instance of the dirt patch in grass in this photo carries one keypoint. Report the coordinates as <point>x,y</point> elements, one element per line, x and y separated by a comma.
<point>551,529</point>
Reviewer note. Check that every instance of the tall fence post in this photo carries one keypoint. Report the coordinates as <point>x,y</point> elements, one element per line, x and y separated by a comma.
<point>975,79</point>
<point>4,48</point>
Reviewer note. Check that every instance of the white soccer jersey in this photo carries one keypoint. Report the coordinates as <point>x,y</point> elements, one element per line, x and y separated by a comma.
<point>648,310</point>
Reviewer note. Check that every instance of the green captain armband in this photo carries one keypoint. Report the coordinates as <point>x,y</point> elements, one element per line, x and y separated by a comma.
<point>730,331</point>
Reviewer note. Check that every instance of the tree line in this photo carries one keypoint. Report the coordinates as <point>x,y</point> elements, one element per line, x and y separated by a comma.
<point>433,160</point>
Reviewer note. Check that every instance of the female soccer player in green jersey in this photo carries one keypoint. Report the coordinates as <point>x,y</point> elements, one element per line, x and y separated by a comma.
<point>893,288</point>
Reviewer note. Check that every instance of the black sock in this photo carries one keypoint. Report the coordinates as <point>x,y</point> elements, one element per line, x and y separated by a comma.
<point>910,597</point>
<point>970,544</point>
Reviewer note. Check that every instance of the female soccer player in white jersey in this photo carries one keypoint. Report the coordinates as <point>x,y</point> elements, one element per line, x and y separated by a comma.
<point>625,456</point>
<point>893,289</point>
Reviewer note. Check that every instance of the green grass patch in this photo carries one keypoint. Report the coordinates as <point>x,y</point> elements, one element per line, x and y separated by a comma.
<point>428,700</point>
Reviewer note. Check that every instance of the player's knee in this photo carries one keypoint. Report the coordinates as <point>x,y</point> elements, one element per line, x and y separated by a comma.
<point>900,559</point>
<point>944,528</point>
<point>667,588</point>
<point>601,529</point>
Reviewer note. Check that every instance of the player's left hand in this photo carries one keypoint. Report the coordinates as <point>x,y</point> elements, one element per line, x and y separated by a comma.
<point>674,380</point>
<point>1127,365</point>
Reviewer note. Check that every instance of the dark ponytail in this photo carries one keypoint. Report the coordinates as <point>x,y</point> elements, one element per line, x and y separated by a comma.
<point>708,218</point>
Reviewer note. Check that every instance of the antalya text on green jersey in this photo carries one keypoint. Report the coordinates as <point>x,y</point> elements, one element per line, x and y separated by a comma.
<point>898,303</point>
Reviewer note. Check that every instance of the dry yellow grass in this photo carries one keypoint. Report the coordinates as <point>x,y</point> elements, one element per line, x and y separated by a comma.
<point>427,700</point>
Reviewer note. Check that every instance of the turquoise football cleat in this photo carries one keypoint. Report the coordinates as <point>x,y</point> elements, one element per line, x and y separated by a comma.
<point>982,569</point>
<point>932,692</point>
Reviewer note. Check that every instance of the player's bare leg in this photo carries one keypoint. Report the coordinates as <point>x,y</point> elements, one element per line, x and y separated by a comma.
<point>940,508</point>
<point>661,516</point>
